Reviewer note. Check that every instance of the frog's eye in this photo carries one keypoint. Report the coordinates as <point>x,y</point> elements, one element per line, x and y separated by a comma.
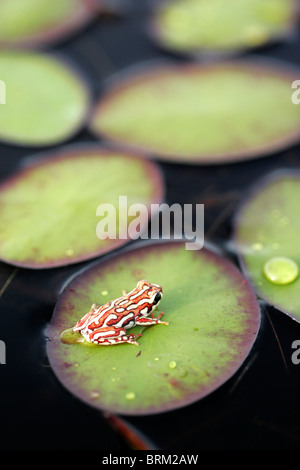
<point>157,298</point>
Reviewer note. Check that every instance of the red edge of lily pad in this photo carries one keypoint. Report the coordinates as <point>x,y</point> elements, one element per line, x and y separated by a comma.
<point>55,327</point>
<point>52,35</point>
<point>142,72</point>
<point>71,152</point>
<point>153,31</point>
<point>260,185</point>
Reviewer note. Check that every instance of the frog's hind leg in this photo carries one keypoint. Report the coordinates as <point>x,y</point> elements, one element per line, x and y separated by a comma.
<point>85,319</point>
<point>109,335</point>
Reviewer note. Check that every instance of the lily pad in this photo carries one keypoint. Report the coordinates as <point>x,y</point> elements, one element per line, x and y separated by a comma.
<point>210,26</point>
<point>213,320</point>
<point>48,209</point>
<point>46,100</point>
<point>39,22</point>
<point>205,114</point>
<point>267,234</point>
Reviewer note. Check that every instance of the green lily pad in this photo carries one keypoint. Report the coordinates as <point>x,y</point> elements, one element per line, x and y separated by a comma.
<point>39,22</point>
<point>206,26</point>
<point>201,114</point>
<point>267,234</point>
<point>46,101</point>
<point>48,209</point>
<point>213,320</point>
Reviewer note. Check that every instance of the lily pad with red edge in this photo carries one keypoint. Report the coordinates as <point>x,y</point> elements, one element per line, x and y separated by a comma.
<point>46,99</point>
<point>213,320</point>
<point>201,114</point>
<point>48,210</point>
<point>267,229</point>
<point>33,23</point>
<point>210,27</point>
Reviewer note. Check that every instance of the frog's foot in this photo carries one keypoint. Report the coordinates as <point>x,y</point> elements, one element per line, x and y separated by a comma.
<point>158,319</point>
<point>163,322</point>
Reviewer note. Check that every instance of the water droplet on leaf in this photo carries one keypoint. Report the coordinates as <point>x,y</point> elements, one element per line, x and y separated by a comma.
<point>130,396</point>
<point>281,270</point>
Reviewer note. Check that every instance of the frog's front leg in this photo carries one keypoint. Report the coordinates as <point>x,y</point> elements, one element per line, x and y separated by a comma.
<point>110,335</point>
<point>148,321</point>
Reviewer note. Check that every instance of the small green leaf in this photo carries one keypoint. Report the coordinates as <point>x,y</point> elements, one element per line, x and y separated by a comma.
<point>267,234</point>
<point>35,22</point>
<point>212,113</point>
<point>45,100</point>
<point>48,210</point>
<point>193,26</point>
<point>213,320</point>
